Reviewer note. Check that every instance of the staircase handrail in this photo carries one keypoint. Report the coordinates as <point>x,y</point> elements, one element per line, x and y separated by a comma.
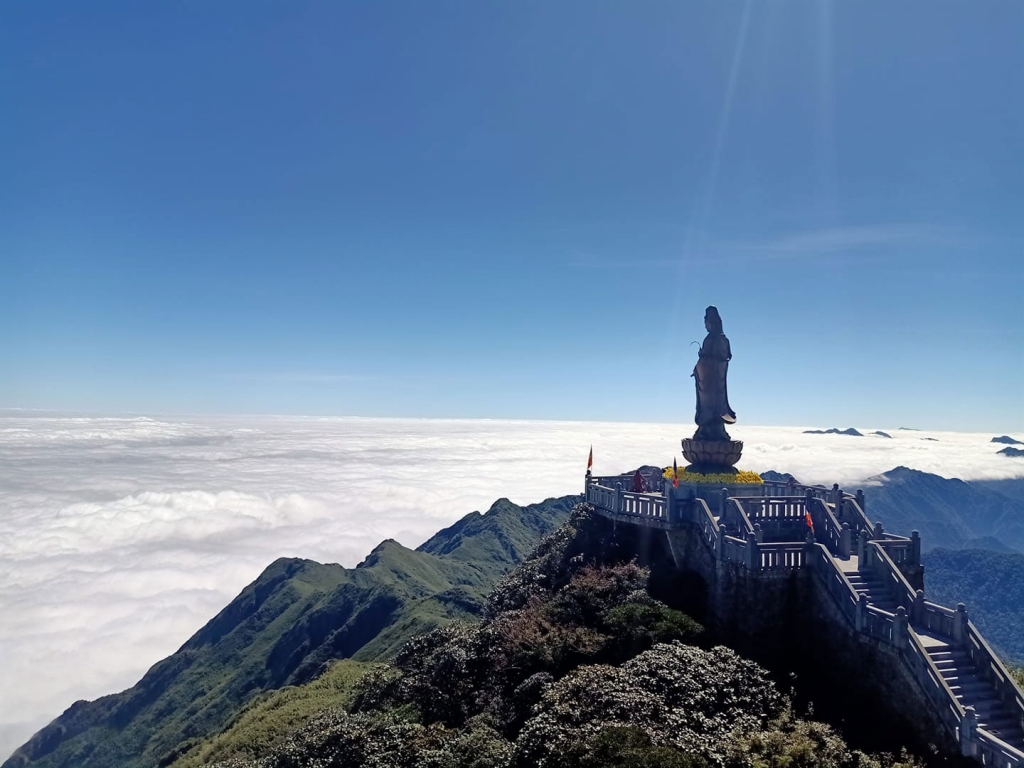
<point>1010,754</point>
<point>830,527</point>
<point>988,662</point>
<point>836,582</point>
<point>892,575</point>
<point>937,618</point>
<point>711,533</point>
<point>951,711</point>
<point>861,520</point>
<point>734,503</point>
<point>734,549</point>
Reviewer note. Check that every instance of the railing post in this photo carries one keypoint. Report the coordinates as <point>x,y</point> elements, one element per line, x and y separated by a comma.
<point>618,498</point>
<point>586,483</point>
<point>968,732</point>
<point>862,547</point>
<point>915,548</point>
<point>836,495</point>
<point>960,624</point>
<point>721,504</point>
<point>758,534</point>
<point>862,610</point>
<point>899,632</point>
<point>918,615</point>
<point>845,541</point>
<point>860,500</point>
<point>753,554</point>
<point>879,532</point>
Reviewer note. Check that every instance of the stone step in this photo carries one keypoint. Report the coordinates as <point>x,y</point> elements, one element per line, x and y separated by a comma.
<point>965,681</point>
<point>855,578</point>
<point>967,693</point>
<point>947,652</point>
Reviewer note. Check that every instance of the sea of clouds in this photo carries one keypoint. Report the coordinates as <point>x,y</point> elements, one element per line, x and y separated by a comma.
<point>120,537</point>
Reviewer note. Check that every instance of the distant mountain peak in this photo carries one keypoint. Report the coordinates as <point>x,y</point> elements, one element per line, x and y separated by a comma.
<point>835,431</point>
<point>1006,440</point>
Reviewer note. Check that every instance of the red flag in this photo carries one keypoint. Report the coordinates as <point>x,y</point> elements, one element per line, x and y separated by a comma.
<point>675,473</point>
<point>590,459</point>
<point>810,523</point>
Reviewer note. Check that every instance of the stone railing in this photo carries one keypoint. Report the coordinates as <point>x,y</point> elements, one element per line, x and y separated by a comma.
<point>644,505</point>
<point>876,560</point>
<point>986,748</point>
<point>938,618</point>
<point>836,584</point>
<point>991,668</point>
<point>841,529</point>
<point>711,533</point>
<point>934,685</point>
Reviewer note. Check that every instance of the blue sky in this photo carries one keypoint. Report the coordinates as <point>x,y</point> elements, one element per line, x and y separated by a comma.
<point>514,209</point>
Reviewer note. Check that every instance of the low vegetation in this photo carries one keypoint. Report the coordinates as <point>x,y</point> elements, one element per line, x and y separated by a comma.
<point>267,721</point>
<point>574,666</point>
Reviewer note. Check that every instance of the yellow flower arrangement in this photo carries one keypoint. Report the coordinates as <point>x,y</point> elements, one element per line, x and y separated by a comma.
<point>742,477</point>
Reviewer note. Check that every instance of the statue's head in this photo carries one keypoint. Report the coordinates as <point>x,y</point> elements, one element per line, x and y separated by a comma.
<point>712,320</point>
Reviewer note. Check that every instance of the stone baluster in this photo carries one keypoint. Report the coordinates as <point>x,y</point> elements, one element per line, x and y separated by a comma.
<point>836,493</point>
<point>862,611</point>
<point>918,614</point>
<point>915,548</point>
<point>879,532</point>
<point>845,541</point>
<point>862,548</point>
<point>758,534</point>
<point>899,631</point>
<point>618,497</point>
<point>721,503</point>
<point>860,500</point>
<point>960,624</point>
<point>753,552</point>
<point>969,733</point>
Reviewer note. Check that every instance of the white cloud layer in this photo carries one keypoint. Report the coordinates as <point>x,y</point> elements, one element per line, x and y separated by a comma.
<point>120,537</point>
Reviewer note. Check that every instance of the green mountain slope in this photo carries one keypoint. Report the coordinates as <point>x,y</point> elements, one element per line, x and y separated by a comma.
<point>947,512</point>
<point>575,665</point>
<point>283,628</point>
<point>990,584</point>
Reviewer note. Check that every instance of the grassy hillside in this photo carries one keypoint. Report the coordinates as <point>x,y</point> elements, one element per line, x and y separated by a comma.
<point>284,628</point>
<point>990,584</point>
<point>267,720</point>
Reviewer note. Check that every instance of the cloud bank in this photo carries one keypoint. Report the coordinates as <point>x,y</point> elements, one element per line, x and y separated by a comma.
<point>120,537</point>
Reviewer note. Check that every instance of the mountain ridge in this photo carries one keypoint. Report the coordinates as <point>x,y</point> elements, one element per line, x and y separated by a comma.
<point>284,627</point>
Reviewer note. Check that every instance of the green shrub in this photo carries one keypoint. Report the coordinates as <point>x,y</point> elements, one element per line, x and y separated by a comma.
<point>681,696</point>
<point>624,747</point>
<point>636,627</point>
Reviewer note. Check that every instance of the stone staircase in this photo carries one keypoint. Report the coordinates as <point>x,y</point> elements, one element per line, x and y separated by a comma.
<point>971,690</point>
<point>878,593</point>
<point>954,664</point>
<point>863,570</point>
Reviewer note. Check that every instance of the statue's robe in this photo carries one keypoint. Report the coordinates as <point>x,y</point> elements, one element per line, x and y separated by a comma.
<point>713,410</point>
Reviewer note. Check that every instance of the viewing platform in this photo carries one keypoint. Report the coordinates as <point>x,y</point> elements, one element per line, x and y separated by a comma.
<point>778,528</point>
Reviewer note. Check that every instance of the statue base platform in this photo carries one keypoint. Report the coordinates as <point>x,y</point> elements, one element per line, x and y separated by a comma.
<point>712,456</point>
